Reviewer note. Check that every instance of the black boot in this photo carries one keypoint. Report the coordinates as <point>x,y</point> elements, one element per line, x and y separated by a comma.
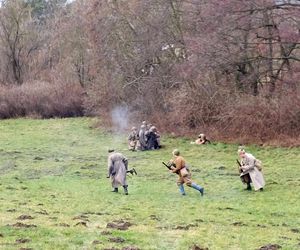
<point>248,186</point>
<point>125,189</point>
<point>115,190</point>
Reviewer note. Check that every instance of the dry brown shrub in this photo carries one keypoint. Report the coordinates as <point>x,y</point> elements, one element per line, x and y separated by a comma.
<point>262,120</point>
<point>235,117</point>
<point>41,99</point>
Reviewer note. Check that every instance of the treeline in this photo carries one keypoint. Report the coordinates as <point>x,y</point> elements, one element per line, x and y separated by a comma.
<point>227,68</point>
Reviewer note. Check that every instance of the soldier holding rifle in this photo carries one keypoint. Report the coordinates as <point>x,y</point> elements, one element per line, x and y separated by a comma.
<point>117,170</point>
<point>250,171</point>
<point>178,166</point>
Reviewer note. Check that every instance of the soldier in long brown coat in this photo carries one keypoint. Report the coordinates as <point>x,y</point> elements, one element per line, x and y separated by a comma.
<point>117,170</point>
<point>248,165</point>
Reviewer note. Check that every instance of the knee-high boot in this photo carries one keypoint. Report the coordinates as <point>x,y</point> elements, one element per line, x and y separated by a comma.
<point>197,187</point>
<point>125,189</point>
<point>181,189</point>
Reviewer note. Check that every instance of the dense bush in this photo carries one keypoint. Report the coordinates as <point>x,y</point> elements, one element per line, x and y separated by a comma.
<point>238,117</point>
<point>41,99</point>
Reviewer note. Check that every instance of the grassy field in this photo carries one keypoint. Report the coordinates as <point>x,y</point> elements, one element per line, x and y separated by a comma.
<point>54,193</point>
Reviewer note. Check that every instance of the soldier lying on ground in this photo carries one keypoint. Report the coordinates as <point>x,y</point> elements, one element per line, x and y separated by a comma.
<point>201,140</point>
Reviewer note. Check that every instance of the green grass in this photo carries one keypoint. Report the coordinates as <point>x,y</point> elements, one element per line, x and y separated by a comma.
<point>55,171</point>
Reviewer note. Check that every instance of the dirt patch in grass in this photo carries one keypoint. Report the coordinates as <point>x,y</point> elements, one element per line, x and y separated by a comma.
<point>22,225</point>
<point>195,247</point>
<point>270,247</point>
<point>154,217</point>
<point>20,241</point>
<point>130,248</point>
<point>62,225</point>
<point>285,238</point>
<point>81,217</point>
<point>120,225</point>
<point>96,242</point>
<point>81,223</point>
<point>262,226</point>
<point>43,211</point>
<point>225,208</point>
<point>116,240</point>
<point>295,230</point>
<point>105,233</point>
<point>186,227</point>
<point>238,223</point>
<point>96,213</point>
<point>38,158</point>
<point>11,210</point>
<point>25,217</point>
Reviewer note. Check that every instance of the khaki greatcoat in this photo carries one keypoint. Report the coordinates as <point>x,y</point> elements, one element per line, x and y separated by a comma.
<point>117,169</point>
<point>248,166</point>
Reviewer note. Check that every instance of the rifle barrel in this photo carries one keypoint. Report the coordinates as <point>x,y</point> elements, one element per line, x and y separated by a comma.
<point>167,165</point>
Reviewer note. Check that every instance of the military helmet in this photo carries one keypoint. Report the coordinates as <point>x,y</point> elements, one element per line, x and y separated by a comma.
<point>176,152</point>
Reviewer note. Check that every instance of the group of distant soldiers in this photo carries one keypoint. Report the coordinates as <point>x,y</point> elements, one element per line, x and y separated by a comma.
<point>146,138</point>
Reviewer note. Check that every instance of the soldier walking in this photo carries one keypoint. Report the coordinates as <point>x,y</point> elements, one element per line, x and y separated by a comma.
<point>117,169</point>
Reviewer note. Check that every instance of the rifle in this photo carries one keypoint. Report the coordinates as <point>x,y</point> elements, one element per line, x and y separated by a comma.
<point>131,171</point>
<point>239,165</point>
<point>169,166</point>
<point>244,178</point>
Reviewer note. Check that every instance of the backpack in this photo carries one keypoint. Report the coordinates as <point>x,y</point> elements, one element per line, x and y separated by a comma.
<point>258,164</point>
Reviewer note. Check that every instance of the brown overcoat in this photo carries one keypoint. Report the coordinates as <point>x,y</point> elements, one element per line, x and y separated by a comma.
<point>248,166</point>
<point>117,168</point>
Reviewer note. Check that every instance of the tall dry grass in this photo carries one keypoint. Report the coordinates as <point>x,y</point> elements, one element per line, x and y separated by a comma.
<point>41,99</point>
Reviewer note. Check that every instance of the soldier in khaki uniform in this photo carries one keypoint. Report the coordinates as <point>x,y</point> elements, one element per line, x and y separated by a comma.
<point>133,139</point>
<point>184,175</point>
<point>201,140</point>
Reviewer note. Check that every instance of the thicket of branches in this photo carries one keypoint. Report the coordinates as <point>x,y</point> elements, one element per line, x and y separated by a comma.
<point>228,68</point>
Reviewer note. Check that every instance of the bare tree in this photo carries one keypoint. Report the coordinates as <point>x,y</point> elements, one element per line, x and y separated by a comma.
<point>18,40</point>
<point>250,42</point>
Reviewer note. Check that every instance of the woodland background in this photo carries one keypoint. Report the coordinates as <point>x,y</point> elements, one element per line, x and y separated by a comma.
<point>227,68</point>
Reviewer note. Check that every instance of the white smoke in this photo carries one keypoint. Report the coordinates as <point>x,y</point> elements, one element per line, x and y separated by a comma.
<point>120,117</point>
